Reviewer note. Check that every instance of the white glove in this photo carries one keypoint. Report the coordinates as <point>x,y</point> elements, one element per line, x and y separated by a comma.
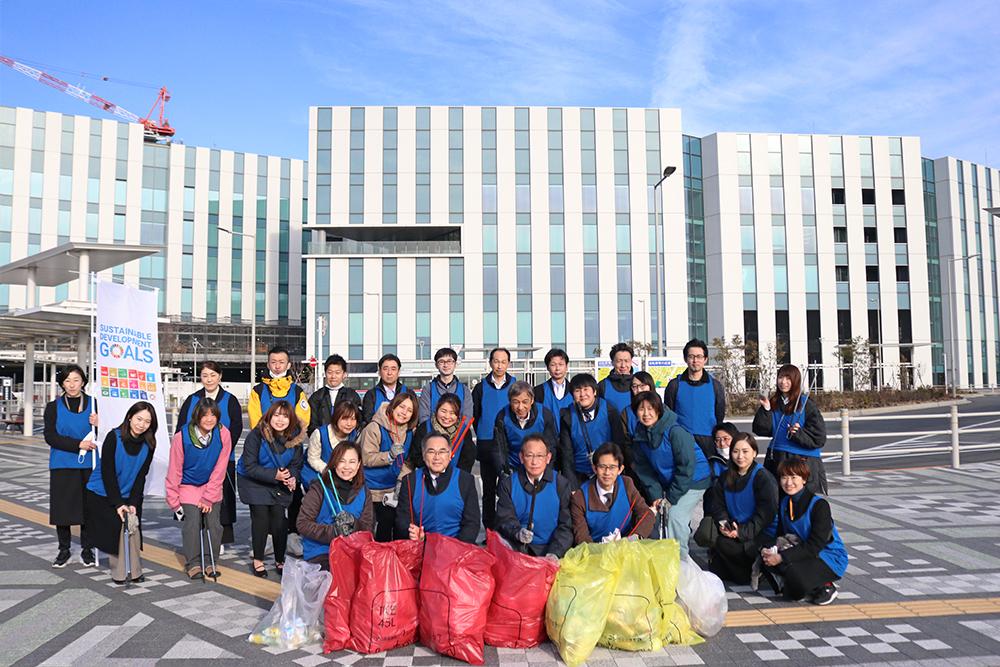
<point>614,536</point>
<point>396,449</point>
<point>632,538</point>
<point>525,536</point>
<point>389,499</point>
<point>552,557</point>
<point>179,514</point>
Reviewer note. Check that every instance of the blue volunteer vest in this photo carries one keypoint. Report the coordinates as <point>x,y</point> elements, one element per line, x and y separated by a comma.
<point>833,554</point>
<point>515,435</point>
<point>267,458</point>
<point>384,477</point>
<point>223,401</point>
<point>780,423</point>
<point>588,436</point>
<point>662,459</point>
<point>632,422</point>
<point>493,401</point>
<point>327,511</point>
<point>126,468</point>
<point>742,505</point>
<point>308,472</point>
<point>719,468</point>
<point>695,406</point>
<point>554,405</point>
<point>441,513</point>
<point>380,397</point>
<point>266,398</point>
<point>199,463</point>
<point>72,425</point>
<point>602,524</point>
<point>435,396</point>
<point>619,399</point>
<point>546,516</point>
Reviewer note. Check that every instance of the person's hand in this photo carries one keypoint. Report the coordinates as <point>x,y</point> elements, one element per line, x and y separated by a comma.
<point>632,538</point>
<point>282,475</point>
<point>614,536</point>
<point>343,524</point>
<point>552,557</point>
<point>121,512</point>
<point>395,450</point>
<point>731,532</point>
<point>416,533</point>
<point>93,419</point>
<point>771,559</point>
<point>765,402</point>
<point>205,508</point>
<point>290,483</point>
<point>525,536</point>
<point>88,444</point>
<point>793,429</point>
<point>131,509</point>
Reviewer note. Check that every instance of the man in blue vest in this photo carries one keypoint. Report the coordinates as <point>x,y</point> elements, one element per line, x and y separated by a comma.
<point>389,367</point>
<point>609,507</point>
<point>698,399</point>
<point>533,510</point>
<point>446,360</point>
<point>554,393</point>
<point>515,422</point>
<point>322,402</point>
<point>488,398</point>
<point>439,497</point>
<point>616,388</point>
<point>583,427</point>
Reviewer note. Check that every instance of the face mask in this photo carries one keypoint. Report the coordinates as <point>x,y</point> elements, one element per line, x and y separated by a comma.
<point>273,376</point>
<point>724,452</point>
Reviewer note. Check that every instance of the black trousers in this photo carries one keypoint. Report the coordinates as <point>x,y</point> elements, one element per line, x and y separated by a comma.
<point>293,509</point>
<point>385,522</point>
<point>805,577</point>
<point>268,520</point>
<point>489,474</point>
<point>65,536</point>
<point>731,561</point>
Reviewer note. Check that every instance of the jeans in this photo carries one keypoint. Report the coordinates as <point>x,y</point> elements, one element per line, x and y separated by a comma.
<point>679,518</point>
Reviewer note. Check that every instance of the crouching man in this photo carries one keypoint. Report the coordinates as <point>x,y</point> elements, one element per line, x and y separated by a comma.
<point>608,507</point>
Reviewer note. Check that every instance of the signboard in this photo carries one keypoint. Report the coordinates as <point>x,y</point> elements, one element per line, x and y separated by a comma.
<point>664,369</point>
<point>604,367</point>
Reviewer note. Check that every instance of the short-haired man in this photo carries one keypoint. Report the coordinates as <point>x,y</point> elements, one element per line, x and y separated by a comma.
<point>279,385</point>
<point>438,497</point>
<point>489,396</point>
<point>520,418</point>
<point>616,388</point>
<point>608,507</point>
<point>698,399</point>
<point>446,360</point>
<point>584,426</point>
<point>322,403</point>
<point>533,510</point>
<point>389,367</point>
<point>554,393</point>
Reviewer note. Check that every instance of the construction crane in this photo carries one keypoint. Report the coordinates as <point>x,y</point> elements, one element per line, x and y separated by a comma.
<point>154,129</point>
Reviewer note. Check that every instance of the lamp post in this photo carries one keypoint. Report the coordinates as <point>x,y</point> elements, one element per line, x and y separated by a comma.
<point>195,344</point>
<point>645,332</point>
<point>953,325</point>
<point>658,221</point>
<point>253,319</point>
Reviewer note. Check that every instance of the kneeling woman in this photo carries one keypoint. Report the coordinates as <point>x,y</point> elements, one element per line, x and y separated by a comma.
<point>817,557</point>
<point>745,508</point>
<point>336,505</point>
<point>342,428</point>
<point>115,491</point>
<point>199,458</point>
<point>266,475</point>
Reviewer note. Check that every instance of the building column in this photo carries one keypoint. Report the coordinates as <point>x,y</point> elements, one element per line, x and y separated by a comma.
<point>29,383</point>
<point>84,267</point>
<point>30,285</point>
<point>83,348</point>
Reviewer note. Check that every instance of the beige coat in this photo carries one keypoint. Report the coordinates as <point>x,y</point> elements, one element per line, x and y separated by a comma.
<point>371,443</point>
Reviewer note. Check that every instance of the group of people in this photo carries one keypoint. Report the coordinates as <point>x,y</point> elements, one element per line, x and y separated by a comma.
<point>568,461</point>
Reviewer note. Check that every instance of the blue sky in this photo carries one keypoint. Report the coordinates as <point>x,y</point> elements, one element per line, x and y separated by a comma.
<point>243,75</point>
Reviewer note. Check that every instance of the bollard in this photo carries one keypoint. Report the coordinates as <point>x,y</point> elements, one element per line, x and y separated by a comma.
<point>955,463</point>
<point>845,443</point>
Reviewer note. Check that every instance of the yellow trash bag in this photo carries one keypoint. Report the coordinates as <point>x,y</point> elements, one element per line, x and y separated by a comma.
<point>580,600</point>
<point>677,627</point>
<point>634,622</point>
<point>664,569</point>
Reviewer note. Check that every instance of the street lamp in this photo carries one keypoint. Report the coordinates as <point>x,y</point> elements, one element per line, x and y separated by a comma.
<point>195,344</point>
<point>953,326</point>
<point>661,328</point>
<point>642,304</point>
<point>253,320</point>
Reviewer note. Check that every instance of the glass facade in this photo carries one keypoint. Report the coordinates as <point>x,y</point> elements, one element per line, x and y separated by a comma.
<point>694,212</point>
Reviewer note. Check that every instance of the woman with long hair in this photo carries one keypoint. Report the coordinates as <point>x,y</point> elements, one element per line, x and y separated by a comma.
<point>447,420</point>
<point>267,473</point>
<point>343,427</point>
<point>385,448</point>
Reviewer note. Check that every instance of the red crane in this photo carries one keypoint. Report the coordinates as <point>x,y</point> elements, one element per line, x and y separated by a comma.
<point>155,128</point>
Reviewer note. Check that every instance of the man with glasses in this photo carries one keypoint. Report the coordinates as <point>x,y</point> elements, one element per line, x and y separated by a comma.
<point>698,399</point>
<point>608,507</point>
<point>446,360</point>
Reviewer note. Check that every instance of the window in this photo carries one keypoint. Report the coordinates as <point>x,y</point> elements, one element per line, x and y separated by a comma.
<point>868,196</point>
<point>843,274</point>
<point>902,274</point>
<point>840,234</point>
<point>838,196</point>
<point>898,197</point>
<point>871,274</point>
<point>871,235</point>
<point>899,234</point>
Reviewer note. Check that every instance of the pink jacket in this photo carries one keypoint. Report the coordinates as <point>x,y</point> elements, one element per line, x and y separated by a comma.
<point>185,494</point>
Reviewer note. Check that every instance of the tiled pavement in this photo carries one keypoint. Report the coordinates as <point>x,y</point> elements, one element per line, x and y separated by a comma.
<point>923,590</point>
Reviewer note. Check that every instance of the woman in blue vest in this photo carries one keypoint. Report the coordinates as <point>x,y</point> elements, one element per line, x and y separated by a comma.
<point>708,530</point>
<point>266,476</point>
<point>115,490</point>
<point>343,427</point>
<point>795,426</point>
<point>745,509</point>
<point>641,381</point>
<point>199,456</point>
<point>336,505</point>
<point>69,422</point>
<point>447,419</point>
<point>232,418</point>
<point>810,555</point>
<point>670,464</point>
<point>385,447</point>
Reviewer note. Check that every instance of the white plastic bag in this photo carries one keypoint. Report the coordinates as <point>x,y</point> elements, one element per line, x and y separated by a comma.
<point>296,619</point>
<point>703,596</point>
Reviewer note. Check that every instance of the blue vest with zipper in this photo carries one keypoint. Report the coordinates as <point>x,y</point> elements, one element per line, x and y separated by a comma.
<point>436,396</point>
<point>493,401</point>
<point>441,513</point>
<point>72,425</point>
<point>267,458</point>
<point>619,399</point>
<point>780,423</point>
<point>588,436</point>
<point>126,469</point>
<point>222,398</point>
<point>293,396</point>
<point>695,406</point>
<point>742,505</point>
<point>199,463</point>
<point>662,459</point>
<point>554,405</point>
<point>833,554</point>
<point>327,512</point>
<point>602,524</point>
<point>515,435</point>
<point>632,422</point>
<point>546,516</point>
<point>380,397</point>
<point>384,477</point>
<point>308,472</point>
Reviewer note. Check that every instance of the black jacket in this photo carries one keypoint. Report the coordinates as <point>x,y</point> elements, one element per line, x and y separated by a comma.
<point>235,414</point>
<point>821,529</point>
<point>811,435</point>
<point>566,462</point>
<point>368,404</point>
<point>258,486</point>
<point>621,383</point>
<point>465,459</point>
<point>501,448</point>
<point>765,494</point>
<point>321,410</point>
<point>469,529</point>
<point>508,525</point>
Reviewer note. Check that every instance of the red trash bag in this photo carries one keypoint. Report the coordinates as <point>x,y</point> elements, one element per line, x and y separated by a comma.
<point>456,585</point>
<point>345,559</point>
<point>516,617</point>
<point>411,555</point>
<point>384,607</point>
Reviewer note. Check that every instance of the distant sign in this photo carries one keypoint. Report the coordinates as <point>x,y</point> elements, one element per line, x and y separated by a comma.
<point>664,369</point>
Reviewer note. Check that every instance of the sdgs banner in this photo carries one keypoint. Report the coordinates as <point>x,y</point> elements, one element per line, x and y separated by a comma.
<point>127,358</point>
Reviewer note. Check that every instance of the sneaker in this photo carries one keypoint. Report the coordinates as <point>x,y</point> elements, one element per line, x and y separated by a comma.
<point>62,560</point>
<point>755,572</point>
<point>87,556</point>
<point>294,544</point>
<point>825,595</point>
<point>222,549</point>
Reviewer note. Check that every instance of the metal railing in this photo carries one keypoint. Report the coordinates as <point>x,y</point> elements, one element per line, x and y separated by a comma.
<point>352,247</point>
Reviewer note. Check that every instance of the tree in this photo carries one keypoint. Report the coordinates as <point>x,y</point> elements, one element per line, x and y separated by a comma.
<point>855,359</point>
<point>729,363</point>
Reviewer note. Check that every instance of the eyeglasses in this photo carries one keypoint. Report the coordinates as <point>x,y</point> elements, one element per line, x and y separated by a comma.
<point>603,468</point>
<point>534,457</point>
<point>447,362</point>
<point>697,357</point>
<point>720,441</point>
<point>434,453</point>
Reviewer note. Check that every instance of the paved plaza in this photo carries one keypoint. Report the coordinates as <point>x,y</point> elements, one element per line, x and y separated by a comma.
<point>922,590</point>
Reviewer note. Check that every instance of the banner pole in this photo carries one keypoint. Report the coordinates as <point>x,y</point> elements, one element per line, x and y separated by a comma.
<point>94,376</point>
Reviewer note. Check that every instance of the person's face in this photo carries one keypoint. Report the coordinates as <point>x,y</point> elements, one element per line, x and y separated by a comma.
<point>534,457</point>
<point>403,412</point>
<point>557,369</point>
<point>279,422</point>
<point>446,415</point>
<point>499,364</point>
<point>207,422</point>
<point>638,386</point>
<point>140,422</point>
<point>389,371</point>
<point>334,375</point>
<point>585,396</point>
<point>792,484</point>
<point>742,455</point>
<point>210,379</point>
<point>73,384</point>
<point>723,440</point>
<point>646,414</point>
<point>347,466</point>
<point>446,365</point>
<point>278,363</point>
<point>622,363</point>
<point>696,359</point>
<point>347,423</point>
<point>521,405</point>
<point>437,455</point>
<point>607,471</point>
<point>784,384</point>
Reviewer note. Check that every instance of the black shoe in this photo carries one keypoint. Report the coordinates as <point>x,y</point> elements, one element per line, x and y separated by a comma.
<point>825,595</point>
<point>62,560</point>
<point>262,572</point>
<point>87,556</point>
